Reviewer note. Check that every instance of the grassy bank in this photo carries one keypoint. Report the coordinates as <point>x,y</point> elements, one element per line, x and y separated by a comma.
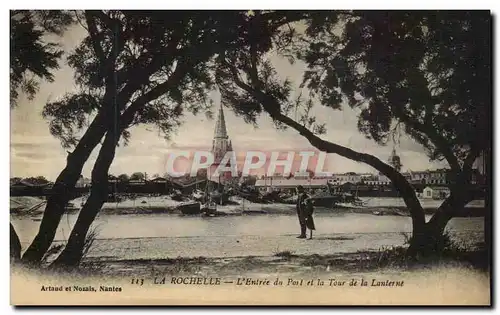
<point>286,263</point>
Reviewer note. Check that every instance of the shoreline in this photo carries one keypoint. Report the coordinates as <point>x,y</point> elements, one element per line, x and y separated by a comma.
<point>269,209</point>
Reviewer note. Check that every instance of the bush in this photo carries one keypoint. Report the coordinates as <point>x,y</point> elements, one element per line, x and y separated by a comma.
<point>284,254</point>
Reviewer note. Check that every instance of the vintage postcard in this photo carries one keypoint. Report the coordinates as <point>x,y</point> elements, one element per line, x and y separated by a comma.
<point>252,157</point>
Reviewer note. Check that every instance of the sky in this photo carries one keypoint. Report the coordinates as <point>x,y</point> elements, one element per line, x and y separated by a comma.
<point>34,152</point>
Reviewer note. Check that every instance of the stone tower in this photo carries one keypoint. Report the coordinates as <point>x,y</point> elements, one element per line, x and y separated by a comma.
<point>221,143</point>
<point>395,160</point>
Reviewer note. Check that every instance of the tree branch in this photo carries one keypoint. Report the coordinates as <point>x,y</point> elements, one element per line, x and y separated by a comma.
<point>438,140</point>
<point>107,64</point>
<point>95,38</point>
<point>272,107</point>
<point>154,93</point>
<point>160,58</point>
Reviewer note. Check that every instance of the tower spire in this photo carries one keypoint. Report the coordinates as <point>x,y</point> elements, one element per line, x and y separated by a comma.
<point>395,160</point>
<point>221,143</point>
<point>220,131</point>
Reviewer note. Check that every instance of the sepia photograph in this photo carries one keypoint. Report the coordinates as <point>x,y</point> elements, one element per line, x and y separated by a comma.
<point>251,157</point>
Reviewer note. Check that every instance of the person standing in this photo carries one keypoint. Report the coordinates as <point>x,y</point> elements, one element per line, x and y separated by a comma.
<point>302,210</point>
<point>308,217</point>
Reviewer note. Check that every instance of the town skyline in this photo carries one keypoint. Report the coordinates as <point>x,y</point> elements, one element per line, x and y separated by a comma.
<point>34,151</point>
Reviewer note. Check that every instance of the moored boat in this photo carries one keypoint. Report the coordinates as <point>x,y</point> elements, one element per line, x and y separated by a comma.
<point>209,208</point>
<point>190,208</point>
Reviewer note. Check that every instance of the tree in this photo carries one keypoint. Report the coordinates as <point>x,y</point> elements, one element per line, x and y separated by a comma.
<point>249,180</point>
<point>119,46</point>
<point>136,67</point>
<point>15,180</point>
<point>15,245</point>
<point>32,57</point>
<point>424,71</point>
<point>123,178</point>
<point>39,180</point>
<point>201,173</point>
<point>137,176</point>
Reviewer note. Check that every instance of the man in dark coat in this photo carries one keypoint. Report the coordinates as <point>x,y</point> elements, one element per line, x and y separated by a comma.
<point>303,210</point>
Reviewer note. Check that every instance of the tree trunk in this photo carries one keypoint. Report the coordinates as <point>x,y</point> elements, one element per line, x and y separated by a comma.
<point>65,183</point>
<point>487,206</point>
<point>72,253</point>
<point>113,128</point>
<point>63,189</point>
<point>15,245</point>
<point>431,241</point>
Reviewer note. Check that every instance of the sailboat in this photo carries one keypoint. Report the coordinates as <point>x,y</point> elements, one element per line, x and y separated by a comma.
<point>209,207</point>
<point>328,199</point>
<point>190,208</point>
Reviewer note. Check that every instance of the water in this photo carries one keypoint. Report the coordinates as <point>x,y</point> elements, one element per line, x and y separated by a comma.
<point>156,236</point>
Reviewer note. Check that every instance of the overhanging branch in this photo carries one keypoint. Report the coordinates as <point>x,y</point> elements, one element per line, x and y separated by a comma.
<point>438,140</point>
<point>272,107</point>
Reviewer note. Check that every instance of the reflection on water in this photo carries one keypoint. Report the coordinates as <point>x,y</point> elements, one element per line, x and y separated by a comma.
<point>162,235</point>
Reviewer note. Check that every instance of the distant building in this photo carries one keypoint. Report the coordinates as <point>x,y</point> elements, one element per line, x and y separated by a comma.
<point>377,180</point>
<point>112,179</point>
<point>341,179</point>
<point>158,180</point>
<point>439,176</point>
<point>133,182</point>
<point>301,175</point>
<point>270,184</point>
<point>435,192</point>
<point>435,177</point>
<point>83,182</point>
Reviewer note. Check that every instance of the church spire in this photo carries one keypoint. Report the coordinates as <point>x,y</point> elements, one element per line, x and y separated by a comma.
<point>221,143</point>
<point>395,160</point>
<point>220,126</point>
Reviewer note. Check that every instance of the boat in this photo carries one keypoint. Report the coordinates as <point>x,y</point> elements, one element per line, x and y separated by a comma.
<point>198,195</point>
<point>177,197</point>
<point>191,208</point>
<point>330,198</point>
<point>209,208</point>
<point>327,199</point>
<point>218,197</point>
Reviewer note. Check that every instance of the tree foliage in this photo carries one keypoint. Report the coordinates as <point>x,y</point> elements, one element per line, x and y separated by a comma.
<point>38,180</point>
<point>427,71</point>
<point>123,178</point>
<point>137,176</point>
<point>422,71</point>
<point>33,56</point>
<point>147,62</point>
<point>133,67</point>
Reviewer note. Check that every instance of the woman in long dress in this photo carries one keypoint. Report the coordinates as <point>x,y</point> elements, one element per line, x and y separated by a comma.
<point>309,218</point>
